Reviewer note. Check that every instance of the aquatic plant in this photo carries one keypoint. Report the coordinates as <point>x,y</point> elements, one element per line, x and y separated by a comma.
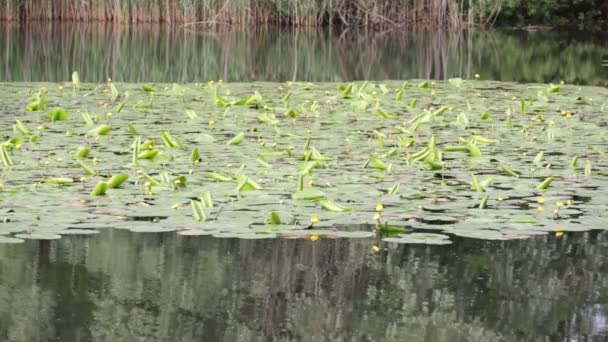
<point>392,168</point>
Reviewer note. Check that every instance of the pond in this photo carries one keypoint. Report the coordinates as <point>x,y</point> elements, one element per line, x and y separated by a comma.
<point>451,210</point>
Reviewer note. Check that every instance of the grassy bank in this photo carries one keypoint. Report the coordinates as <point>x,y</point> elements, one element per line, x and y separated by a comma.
<point>436,13</point>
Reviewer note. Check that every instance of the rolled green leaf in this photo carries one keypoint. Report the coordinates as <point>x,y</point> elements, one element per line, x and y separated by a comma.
<point>219,177</point>
<point>273,218</point>
<point>101,130</point>
<point>545,184</point>
<point>117,180</point>
<point>100,189</point>
<point>484,202</point>
<point>237,139</point>
<point>508,171</point>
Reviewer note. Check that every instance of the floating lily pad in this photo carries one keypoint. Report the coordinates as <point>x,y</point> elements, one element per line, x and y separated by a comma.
<point>77,232</point>
<point>152,229</point>
<point>7,240</point>
<point>38,236</point>
<point>420,238</point>
<point>197,232</point>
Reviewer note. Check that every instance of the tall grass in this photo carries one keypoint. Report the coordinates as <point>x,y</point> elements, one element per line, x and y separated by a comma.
<point>346,13</point>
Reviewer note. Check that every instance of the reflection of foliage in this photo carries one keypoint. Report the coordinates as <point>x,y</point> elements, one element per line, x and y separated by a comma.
<point>124,287</point>
<point>51,53</point>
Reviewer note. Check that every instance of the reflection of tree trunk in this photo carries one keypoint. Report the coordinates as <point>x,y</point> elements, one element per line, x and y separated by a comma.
<point>295,55</point>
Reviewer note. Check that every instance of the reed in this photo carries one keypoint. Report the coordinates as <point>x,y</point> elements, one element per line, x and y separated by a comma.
<point>301,13</point>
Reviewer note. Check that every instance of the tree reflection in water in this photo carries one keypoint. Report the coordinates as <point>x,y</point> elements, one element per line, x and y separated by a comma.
<point>121,286</point>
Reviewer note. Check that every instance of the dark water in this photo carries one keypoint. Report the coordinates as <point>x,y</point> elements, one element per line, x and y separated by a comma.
<point>158,54</point>
<point>121,286</point>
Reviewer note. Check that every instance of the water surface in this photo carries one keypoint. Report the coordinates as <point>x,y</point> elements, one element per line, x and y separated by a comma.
<point>121,286</point>
<point>161,54</point>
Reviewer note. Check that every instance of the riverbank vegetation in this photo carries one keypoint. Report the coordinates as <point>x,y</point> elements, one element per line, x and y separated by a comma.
<point>437,13</point>
<point>584,14</point>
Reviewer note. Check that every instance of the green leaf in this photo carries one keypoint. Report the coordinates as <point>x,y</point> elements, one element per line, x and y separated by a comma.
<point>148,88</point>
<point>194,156</point>
<point>89,171</point>
<point>20,127</point>
<point>116,180</point>
<point>198,211</point>
<point>101,130</point>
<point>237,139</point>
<point>508,171</point>
<point>100,189</point>
<point>273,218</point>
<point>57,114</point>
<point>330,205</point>
<point>219,177</point>
<point>393,189</point>
<point>545,184</point>
<point>169,140</point>
<point>308,195</point>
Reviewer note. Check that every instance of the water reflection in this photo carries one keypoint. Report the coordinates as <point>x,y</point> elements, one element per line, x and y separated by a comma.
<point>158,54</point>
<point>120,286</point>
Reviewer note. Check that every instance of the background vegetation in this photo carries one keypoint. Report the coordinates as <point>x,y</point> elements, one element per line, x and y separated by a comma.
<point>288,12</point>
<point>580,14</point>
<point>583,14</point>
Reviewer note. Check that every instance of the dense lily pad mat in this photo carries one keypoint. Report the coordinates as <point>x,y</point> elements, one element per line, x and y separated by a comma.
<point>476,159</point>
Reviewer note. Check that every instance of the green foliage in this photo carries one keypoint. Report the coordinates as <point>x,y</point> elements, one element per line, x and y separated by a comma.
<point>580,14</point>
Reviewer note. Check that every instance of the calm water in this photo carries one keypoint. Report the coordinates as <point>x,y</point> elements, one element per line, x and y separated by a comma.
<point>120,286</point>
<point>153,54</point>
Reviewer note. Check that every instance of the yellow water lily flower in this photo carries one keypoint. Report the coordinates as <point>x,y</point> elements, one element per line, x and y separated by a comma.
<point>376,249</point>
<point>541,200</point>
<point>314,219</point>
<point>379,207</point>
<point>559,234</point>
<point>314,237</point>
